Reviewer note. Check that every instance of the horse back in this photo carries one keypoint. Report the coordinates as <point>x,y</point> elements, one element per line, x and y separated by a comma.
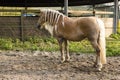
<point>88,25</point>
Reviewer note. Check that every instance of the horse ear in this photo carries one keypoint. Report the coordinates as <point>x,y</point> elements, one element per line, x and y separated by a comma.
<point>40,10</point>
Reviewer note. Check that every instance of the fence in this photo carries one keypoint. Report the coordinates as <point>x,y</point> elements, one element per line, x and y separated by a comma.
<point>23,26</point>
<point>20,26</point>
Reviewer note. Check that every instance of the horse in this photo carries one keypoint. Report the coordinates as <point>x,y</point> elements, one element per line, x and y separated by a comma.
<point>65,29</point>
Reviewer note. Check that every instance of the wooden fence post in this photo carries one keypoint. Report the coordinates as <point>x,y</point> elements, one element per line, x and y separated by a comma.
<point>66,7</point>
<point>21,25</point>
<point>115,22</point>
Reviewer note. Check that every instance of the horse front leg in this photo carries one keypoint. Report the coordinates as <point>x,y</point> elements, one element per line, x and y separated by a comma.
<point>60,41</point>
<point>67,58</point>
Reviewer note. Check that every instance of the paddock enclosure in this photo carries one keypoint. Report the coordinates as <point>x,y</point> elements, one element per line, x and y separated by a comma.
<point>42,65</point>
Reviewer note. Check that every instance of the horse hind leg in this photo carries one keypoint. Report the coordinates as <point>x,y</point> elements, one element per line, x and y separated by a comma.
<point>98,63</point>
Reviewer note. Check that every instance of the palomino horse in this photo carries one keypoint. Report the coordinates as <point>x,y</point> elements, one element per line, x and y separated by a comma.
<point>64,28</point>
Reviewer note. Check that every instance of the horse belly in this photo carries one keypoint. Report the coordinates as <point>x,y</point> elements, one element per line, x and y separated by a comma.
<point>75,37</point>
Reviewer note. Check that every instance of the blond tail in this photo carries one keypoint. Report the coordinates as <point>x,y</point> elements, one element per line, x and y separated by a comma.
<point>102,42</point>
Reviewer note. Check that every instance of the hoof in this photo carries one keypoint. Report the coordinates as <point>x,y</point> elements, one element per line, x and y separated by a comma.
<point>99,69</point>
<point>95,65</point>
<point>98,66</point>
<point>62,61</point>
<point>67,60</point>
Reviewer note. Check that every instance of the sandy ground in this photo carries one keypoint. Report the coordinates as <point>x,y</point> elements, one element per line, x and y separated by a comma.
<point>18,65</point>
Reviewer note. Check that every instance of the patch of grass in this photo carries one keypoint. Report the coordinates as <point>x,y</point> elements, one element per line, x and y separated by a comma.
<point>51,44</point>
<point>83,46</point>
<point>115,36</point>
<point>6,44</point>
<point>113,47</point>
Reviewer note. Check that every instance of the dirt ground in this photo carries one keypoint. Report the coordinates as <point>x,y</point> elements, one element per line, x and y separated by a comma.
<point>18,65</point>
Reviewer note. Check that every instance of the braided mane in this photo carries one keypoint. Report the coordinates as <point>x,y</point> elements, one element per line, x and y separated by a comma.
<point>52,17</point>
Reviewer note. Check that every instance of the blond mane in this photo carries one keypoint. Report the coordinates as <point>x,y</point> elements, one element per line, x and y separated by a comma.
<point>52,16</point>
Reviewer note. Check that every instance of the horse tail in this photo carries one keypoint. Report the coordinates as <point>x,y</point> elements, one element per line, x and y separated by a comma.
<point>102,41</point>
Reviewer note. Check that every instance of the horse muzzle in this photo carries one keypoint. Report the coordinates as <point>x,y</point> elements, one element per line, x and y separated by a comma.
<point>38,26</point>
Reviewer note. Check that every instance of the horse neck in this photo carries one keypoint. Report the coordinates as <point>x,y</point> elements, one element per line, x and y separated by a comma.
<point>54,18</point>
<point>69,21</point>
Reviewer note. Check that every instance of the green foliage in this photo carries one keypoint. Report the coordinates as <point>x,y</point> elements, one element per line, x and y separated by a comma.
<point>83,46</point>
<point>115,36</point>
<point>6,44</point>
<point>118,27</point>
<point>51,44</point>
<point>113,48</point>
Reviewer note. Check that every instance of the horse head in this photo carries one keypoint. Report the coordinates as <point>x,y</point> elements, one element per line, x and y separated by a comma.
<point>41,22</point>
